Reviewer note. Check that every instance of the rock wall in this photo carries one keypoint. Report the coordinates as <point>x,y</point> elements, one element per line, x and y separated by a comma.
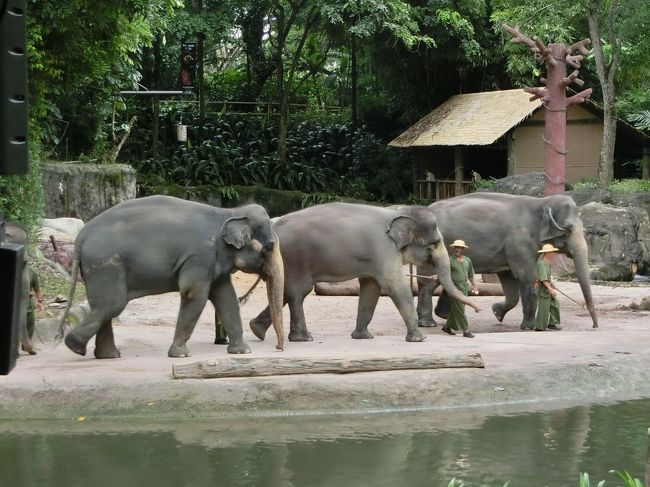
<point>85,190</point>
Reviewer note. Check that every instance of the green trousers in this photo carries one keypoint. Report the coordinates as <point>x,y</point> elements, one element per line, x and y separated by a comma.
<point>548,312</point>
<point>457,319</point>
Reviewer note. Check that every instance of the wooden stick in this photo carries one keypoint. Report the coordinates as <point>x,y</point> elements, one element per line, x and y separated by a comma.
<point>264,366</point>
<point>565,294</point>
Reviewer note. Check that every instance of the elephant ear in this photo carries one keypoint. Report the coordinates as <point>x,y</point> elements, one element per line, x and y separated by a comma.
<point>401,230</point>
<point>549,227</point>
<point>236,231</point>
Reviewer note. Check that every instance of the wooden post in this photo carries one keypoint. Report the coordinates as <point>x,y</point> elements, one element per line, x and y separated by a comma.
<point>458,171</point>
<point>265,366</point>
<point>511,163</point>
<point>645,170</point>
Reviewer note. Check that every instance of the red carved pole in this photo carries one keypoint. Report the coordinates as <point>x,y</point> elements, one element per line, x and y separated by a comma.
<point>555,123</point>
<point>555,101</point>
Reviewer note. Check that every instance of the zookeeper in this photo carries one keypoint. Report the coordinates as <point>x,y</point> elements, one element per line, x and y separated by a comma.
<point>548,309</point>
<point>462,271</point>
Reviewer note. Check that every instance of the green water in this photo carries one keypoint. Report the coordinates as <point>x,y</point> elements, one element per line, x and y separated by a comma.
<point>393,449</point>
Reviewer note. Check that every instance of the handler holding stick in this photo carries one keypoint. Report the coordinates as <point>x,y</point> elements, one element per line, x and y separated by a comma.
<point>548,309</point>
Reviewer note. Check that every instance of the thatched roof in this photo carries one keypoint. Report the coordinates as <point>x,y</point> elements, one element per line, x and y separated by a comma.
<point>471,119</point>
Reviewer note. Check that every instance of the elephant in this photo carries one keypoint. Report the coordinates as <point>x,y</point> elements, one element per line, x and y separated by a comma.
<point>160,244</point>
<point>504,233</point>
<point>336,242</point>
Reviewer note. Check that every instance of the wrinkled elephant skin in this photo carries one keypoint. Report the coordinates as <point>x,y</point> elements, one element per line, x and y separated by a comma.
<point>336,242</point>
<point>163,244</point>
<point>504,233</point>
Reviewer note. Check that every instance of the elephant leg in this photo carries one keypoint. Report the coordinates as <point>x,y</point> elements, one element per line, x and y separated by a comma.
<point>261,323</point>
<point>107,297</point>
<point>369,292</point>
<point>224,297</point>
<point>194,294</point>
<point>528,303</point>
<point>105,342</point>
<point>220,335</point>
<point>298,331</point>
<point>425,299</point>
<point>510,285</point>
<point>402,296</point>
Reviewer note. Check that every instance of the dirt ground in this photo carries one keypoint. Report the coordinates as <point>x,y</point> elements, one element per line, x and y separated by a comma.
<point>523,369</point>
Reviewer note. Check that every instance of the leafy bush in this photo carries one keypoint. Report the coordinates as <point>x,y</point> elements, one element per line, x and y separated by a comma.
<point>326,158</point>
<point>629,186</point>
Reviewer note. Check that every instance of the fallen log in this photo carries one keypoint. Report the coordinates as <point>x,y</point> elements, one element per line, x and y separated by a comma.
<point>265,366</point>
<point>351,288</point>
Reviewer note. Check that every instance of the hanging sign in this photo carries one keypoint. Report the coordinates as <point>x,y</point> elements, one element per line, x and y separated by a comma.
<point>188,66</point>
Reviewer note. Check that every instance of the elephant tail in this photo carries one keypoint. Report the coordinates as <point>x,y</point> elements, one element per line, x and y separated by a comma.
<point>74,274</point>
<point>244,298</point>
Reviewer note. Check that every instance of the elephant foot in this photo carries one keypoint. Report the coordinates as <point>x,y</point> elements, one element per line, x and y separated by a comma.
<point>300,336</point>
<point>362,335</point>
<point>30,350</point>
<point>221,341</point>
<point>427,323</point>
<point>178,351</point>
<point>414,336</point>
<point>496,309</point>
<point>239,347</point>
<point>75,345</point>
<point>258,328</point>
<point>527,325</point>
<point>115,353</point>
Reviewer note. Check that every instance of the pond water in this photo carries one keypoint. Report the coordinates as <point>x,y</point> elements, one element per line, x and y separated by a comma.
<point>548,448</point>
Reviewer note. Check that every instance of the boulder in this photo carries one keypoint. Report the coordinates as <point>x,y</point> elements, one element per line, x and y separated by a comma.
<point>618,240</point>
<point>530,184</point>
<point>583,196</point>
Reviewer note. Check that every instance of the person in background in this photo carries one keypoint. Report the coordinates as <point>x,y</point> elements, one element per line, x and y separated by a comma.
<point>548,309</point>
<point>462,271</point>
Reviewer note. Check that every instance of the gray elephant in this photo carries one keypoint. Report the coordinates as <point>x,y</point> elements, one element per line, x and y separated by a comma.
<point>160,244</point>
<point>336,242</point>
<point>504,233</point>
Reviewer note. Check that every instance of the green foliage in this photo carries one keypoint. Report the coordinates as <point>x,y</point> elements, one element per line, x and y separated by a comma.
<point>322,158</point>
<point>629,186</point>
<point>483,184</point>
<point>317,199</point>
<point>640,120</point>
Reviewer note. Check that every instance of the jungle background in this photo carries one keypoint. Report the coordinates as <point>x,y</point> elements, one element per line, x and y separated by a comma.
<point>293,94</point>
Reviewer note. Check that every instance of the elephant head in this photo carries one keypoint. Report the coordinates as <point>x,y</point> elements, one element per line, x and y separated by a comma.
<point>561,226</point>
<point>416,235</point>
<point>257,250</point>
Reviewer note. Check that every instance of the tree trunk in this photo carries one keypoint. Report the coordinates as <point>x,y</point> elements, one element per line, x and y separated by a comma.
<point>606,73</point>
<point>282,91</point>
<point>354,80</point>
<point>260,366</point>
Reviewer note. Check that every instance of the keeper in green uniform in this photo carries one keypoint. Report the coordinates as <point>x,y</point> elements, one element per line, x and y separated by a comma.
<point>35,302</point>
<point>548,309</point>
<point>462,271</point>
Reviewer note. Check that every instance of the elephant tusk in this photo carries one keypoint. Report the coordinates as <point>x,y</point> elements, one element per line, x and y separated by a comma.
<point>550,216</point>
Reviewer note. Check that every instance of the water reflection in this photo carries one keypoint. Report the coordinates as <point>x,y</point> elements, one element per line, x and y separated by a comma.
<point>405,449</point>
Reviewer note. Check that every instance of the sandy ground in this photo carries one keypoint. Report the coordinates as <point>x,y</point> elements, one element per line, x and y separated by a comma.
<point>523,370</point>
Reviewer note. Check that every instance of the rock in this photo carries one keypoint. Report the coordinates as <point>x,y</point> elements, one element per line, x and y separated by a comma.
<point>618,240</point>
<point>62,229</point>
<point>583,196</point>
<point>530,184</point>
<point>642,304</point>
<point>639,200</point>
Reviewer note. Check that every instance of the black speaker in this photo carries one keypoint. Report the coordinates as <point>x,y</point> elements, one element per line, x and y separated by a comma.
<point>11,268</point>
<point>13,88</point>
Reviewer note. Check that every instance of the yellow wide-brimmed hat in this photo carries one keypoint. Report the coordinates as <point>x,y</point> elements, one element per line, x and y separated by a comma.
<point>547,248</point>
<point>459,243</point>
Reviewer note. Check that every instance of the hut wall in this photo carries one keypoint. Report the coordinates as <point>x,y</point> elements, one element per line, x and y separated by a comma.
<point>584,136</point>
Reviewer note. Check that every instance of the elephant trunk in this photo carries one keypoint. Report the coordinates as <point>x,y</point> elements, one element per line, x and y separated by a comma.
<point>578,247</point>
<point>440,259</point>
<point>274,272</point>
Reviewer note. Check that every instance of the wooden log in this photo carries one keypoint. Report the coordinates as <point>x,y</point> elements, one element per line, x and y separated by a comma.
<point>351,288</point>
<point>265,366</point>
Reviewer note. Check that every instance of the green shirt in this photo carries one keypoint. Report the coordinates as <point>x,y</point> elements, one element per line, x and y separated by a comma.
<point>543,274</point>
<point>461,271</point>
